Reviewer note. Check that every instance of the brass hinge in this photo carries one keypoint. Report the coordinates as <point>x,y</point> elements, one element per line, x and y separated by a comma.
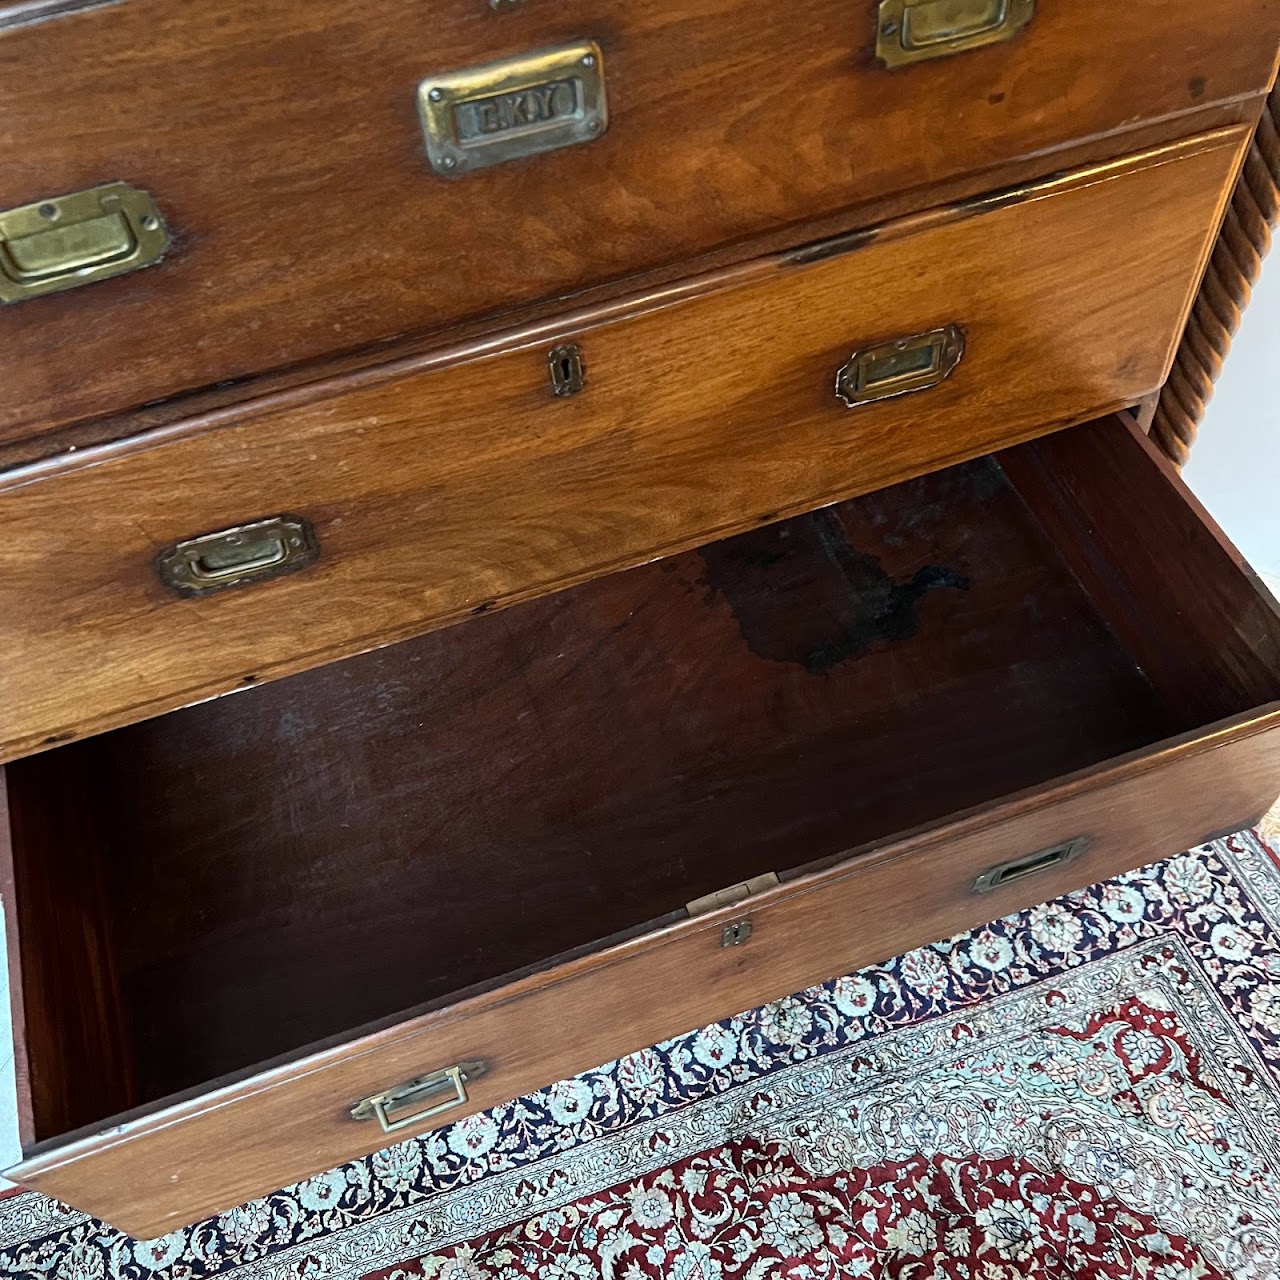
<point>734,893</point>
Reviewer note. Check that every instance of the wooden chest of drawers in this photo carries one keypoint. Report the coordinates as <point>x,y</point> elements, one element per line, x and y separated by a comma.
<point>657,566</point>
<point>282,146</point>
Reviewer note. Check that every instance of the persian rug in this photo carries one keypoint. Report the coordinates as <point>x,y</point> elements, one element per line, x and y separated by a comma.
<point>1087,1089</point>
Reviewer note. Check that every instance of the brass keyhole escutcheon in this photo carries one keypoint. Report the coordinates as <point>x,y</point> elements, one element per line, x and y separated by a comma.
<point>566,369</point>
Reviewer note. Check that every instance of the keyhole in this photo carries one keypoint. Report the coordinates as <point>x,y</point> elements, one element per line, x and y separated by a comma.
<point>568,374</point>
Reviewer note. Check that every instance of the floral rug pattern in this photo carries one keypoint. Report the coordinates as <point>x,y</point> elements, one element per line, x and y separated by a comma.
<point>1091,1087</point>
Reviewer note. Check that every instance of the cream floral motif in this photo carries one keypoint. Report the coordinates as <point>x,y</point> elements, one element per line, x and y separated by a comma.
<point>1038,1015</point>
<point>1126,1107</point>
<point>1270,827</point>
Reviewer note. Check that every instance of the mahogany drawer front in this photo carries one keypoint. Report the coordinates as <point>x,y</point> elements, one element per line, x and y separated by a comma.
<point>1154,653</point>
<point>283,150</point>
<point>439,490</point>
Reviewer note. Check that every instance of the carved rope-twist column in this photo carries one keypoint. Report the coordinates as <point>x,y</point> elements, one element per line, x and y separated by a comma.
<point>1228,285</point>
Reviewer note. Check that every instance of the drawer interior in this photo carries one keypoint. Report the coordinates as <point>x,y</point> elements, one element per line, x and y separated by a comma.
<point>198,894</point>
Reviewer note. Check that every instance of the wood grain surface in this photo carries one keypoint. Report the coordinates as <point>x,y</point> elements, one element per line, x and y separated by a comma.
<point>440,489</point>
<point>15,974</point>
<point>282,145</point>
<point>1143,558</point>
<point>79,1059</point>
<point>57,438</point>
<point>156,1170</point>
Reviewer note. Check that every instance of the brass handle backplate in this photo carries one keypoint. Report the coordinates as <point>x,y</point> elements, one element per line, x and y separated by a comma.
<point>236,556</point>
<point>899,366</point>
<point>1030,863</point>
<point>68,241</point>
<point>439,1092</point>
<point>915,30</point>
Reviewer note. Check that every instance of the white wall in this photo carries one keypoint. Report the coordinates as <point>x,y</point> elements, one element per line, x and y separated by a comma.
<point>1235,464</point>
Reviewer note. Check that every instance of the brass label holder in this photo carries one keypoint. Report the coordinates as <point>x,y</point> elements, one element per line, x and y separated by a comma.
<point>77,239</point>
<point>234,557</point>
<point>518,107</point>
<point>900,366</point>
<point>916,30</point>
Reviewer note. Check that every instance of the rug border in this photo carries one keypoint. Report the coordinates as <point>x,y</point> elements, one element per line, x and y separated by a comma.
<point>1258,874</point>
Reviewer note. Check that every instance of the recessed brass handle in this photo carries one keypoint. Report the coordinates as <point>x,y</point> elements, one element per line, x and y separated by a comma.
<point>902,365</point>
<point>232,557</point>
<point>441,1091</point>
<point>71,240</point>
<point>1029,864</point>
<point>915,30</point>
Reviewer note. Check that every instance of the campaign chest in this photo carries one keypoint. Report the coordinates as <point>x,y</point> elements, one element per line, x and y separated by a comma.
<point>528,529</point>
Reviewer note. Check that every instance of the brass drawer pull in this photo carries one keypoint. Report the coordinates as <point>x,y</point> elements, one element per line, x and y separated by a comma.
<point>232,557</point>
<point>76,239</point>
<point>1019,868</point>
<point>914,30</point>
<point>451,1082</point>
<point>518,107</point>
<point>901,366</point>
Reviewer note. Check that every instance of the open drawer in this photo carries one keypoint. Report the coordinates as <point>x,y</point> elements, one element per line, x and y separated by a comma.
<point>467,860</point>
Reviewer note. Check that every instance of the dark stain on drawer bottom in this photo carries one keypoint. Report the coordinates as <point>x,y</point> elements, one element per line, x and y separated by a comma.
<point>801,593</point>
